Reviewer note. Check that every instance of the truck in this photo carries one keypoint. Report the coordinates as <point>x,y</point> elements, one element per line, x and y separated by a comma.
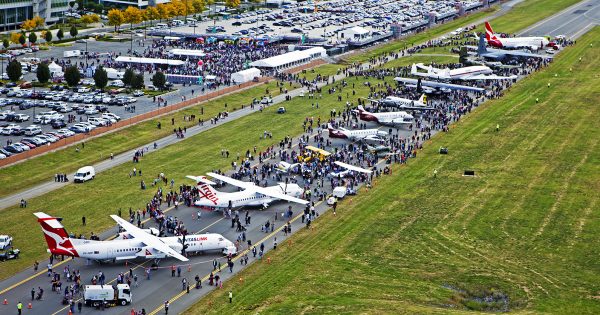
<point>5,241</point>
<point>71,53</point>
<point>95,295</point>
<point>114,74</point>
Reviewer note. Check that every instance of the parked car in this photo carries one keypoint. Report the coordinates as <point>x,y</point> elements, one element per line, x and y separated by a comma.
<point>21,117</point>
<point>5,241</point>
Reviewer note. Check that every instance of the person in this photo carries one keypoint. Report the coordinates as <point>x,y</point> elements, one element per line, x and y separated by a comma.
<point>230,296</point>
<point>434,173</point>
<point>497,127</point>
<point>79,306</point>
<point>32,294</point>
<point>83,220</point>
<point>19,307</point>
<point>166,307</point>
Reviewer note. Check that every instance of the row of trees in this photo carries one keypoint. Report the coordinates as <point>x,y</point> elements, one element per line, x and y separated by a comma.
<point>20,38</point>
<point>133,15</point>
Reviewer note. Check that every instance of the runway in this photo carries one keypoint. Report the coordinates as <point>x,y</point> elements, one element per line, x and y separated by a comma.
<point>571,22</point>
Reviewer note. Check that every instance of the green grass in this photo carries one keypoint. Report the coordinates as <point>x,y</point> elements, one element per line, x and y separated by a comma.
<point>525,227</point>
<point>43,168</point>
<point>113,189</point>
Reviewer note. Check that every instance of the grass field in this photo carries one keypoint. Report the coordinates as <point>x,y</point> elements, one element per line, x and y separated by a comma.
<point>522,235</point>
<point>194,156</point>
<point>43,168</point>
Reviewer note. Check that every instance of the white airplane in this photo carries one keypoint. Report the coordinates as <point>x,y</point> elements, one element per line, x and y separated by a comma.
<point>389,118</point>
<point>404,103</point>
<point>286,167</point>
<point>501,54</point>
<point>141,244</point>
<point>438,86</point>
<point>353,135</point>
<point>533,43</point>
<point>347,169</point>
<point>252,195</point>
<point>464,73</point>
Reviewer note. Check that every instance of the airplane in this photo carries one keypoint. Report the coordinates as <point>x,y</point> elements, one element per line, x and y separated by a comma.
<point>389,118</point>
<point>437,85</point>
<point>251,195</point>
<point>464,73</point>
<point>141,244</point>
<point>353,135</point>
<point>533,43</point>
<point>285,167</point>
<point>347,170</point>
<point>501,54</point>
<point>404,103</point>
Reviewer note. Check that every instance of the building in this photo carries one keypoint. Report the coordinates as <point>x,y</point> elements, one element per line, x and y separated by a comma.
<point>142,4</point>
<point>14,12</point>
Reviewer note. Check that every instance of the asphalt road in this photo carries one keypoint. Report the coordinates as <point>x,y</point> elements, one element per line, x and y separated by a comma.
<point>571,22</point>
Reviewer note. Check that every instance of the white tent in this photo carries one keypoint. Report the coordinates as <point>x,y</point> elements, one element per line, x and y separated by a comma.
<point>127,59</point>
<point>187,52</point>
<point>290,59</point>
<point>245,75</point>
<point>354,33</point>
<point>54,67</point>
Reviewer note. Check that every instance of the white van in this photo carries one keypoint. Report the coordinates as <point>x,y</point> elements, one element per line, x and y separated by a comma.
<point>84,174</point>
<point>339,192</point>
<point>177,22</point>
<point>162,25</point>
<point>33,130</point>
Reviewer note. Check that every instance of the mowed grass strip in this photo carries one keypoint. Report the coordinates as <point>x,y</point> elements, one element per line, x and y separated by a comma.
<point>522,234</point>
<point>39,169</point>
<point>114,189</point>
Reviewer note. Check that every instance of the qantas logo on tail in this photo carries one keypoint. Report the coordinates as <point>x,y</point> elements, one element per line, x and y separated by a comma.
<point>56,236</point>
<point>489,32</point>
<point>208,192</point>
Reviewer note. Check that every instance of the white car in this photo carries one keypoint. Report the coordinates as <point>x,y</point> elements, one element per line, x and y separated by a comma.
<point>87,125</point>
<point>5,241</point>
<point>22,146</point>
<point>112,117</point>
<point>117,83</point>
<point>21,117</point>
<point>47,138</point>
<point>97,121</point>
<point>138,93</point>
<point>91,111</point>
<point>65,132</point>
<point>5,113</point>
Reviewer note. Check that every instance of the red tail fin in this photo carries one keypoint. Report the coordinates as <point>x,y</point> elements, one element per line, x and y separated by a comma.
<point>208,192</point>
<point>56,236</point>
<point>489,32</point>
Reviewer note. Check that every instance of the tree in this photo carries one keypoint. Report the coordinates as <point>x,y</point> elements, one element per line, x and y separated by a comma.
<point>22,39</point>
<point>100,78</point>
<point>151,13</point>
<point>32,38</point>
<point>15,37</point>
<point>72,76</point>
<point>90,18</point>
<point>48,36</point>
<point>132,15</point>
<point>163,11</point>
<point>5,43</point>
<point>128,76</point>
<point>38,21</point>
<point>137,81</point>
<point>28,25</point>
<point>177,8</point>
<point>159,80</point>
<point>73,31</point>
<point>198,5</point>
<point>43,72</point>
<point>115,18</point>
<point>60,34</point>
<point>232,3</point>
<point>13,70</point>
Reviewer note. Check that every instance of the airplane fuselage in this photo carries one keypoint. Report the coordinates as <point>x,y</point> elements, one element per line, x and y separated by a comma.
<point>248,198</point>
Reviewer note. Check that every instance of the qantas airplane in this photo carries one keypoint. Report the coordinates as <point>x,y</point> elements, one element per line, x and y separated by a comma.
<point>533,43</point>
<point>252,195</point>
<point>464,73</point>
<point>353,135</point>
<point>389,118</point>
<point>141,244</point>
<point>501,54</point>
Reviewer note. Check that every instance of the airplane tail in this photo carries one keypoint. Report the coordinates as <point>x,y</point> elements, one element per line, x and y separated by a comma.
<point>205,190</point>
<point>489,32</point>
<point>481,49</point>
<point>413,69</point>
<point>361,109</point>
<point>56,236</point>
<point>423,99</point>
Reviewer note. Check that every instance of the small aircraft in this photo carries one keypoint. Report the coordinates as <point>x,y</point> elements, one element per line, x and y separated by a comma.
<point>347,170</point>
<point>533,43</point>
<point>404,103</point>
<point>251,195</point>
<point>501,54</point>
<point>389,118</point>
<point>464,73</point>
<point>354,135</point>
<point>141,243</point>
<point>285,167</point>
<point>437,85</point>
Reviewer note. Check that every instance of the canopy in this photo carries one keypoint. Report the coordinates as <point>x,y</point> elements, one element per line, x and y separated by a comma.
<point>291,58</point>
<point>54,67</point>
<point>187,52</point>
<point>169,62</point>
<point>245,75</point>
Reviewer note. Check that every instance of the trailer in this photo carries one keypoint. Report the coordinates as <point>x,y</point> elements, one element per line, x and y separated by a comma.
<point>96,295</point>
<point>71,53</point>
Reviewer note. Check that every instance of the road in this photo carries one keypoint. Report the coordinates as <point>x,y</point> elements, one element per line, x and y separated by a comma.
<point>571,22</point>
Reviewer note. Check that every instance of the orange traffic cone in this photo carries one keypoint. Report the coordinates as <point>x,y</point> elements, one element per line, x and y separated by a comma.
<point>29,306</point>
<point>70,313</point>
<point>269,260</point>
<point>5,302</point>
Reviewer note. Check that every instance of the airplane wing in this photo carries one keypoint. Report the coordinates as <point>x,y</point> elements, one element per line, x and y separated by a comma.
<point>201,179</point>
<point>439,85</point>
<point>352,167</point>
<point>489,77</point>
<point>148,239</point>
<point>399,121</point>
<point>256,189</point>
